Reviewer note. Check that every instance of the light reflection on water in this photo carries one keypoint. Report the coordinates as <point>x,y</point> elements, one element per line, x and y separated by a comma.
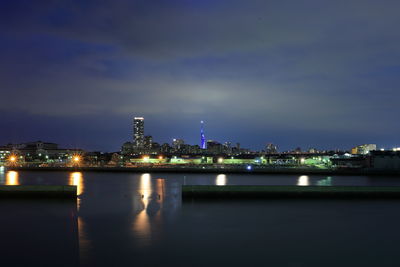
<point>84,242</point>
<point>147,205</point>
<point>12,178</point>
<point>141,224</point>
<point>76,178</point>
<point>303,180</point>
<point>221,179</point>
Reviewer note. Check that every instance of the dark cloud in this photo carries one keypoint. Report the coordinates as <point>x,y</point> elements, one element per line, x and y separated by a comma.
<point>305,67</point>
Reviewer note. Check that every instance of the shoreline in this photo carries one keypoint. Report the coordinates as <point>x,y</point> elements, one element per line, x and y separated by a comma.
<point>184,169</point>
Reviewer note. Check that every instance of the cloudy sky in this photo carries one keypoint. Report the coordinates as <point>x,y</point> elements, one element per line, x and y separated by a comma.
<point>308,73</point>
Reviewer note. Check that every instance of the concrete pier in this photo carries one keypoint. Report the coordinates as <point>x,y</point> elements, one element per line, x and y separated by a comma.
<point>251,191</point>
<point>38,191</point>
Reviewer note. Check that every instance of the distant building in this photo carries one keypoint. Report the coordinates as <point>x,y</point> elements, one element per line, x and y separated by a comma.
<point>177,144</point>
<point>227,148</point>
<point>214,147</point>
<point>271,149</point>
<point>148,142</point>
<point>363,149</point>
<point>138,132</point>
<point>127,148</point>
<point>165,148</point>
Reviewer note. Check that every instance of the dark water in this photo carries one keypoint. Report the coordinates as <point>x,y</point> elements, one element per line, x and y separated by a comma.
<point>123,219</point>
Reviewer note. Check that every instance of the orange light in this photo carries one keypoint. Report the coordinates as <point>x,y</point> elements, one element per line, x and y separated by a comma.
<point>160,157</point>
<point>76,159</point>
<point>13,159</point>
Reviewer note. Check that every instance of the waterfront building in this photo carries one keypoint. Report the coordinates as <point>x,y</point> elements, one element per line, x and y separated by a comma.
<point>363,149</point>
<point>385,160</point>
<point>5,152</point>
<point>138,132</point>
<point>41,152</point>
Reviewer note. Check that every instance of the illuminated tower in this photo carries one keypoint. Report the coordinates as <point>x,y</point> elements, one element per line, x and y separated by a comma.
<point>202,137</point>
<point>138,132</point>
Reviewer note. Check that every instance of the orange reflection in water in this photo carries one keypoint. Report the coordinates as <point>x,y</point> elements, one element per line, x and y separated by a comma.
<point>12,178</point>
<point>84,242</point>
<point>76,178</point>
<point>147,195</point>
<point>141,223</point>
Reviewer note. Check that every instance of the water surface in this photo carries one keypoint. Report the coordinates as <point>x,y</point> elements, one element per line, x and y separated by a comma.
<point>123,219</point>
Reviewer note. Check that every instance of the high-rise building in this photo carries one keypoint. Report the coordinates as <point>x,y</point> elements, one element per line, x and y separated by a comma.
<point>138,132</point>
<point>202,137</point>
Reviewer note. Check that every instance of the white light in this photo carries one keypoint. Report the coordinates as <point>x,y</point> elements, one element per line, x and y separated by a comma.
<point>220,180</point>
<point>248,167</point>
<point>303,180</point>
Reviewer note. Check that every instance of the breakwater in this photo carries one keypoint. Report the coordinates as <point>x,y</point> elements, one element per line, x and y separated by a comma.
<point>251,191</point>
<point>38,191</point>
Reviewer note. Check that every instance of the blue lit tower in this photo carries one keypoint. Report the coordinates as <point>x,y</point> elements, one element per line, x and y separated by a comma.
<point>202,137</point>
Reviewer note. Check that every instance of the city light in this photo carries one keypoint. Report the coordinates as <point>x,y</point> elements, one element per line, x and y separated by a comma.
<point>76,159</point>
<point>146,158</point>
<point>160,157</point>
<point>12,158</point>
<point>220,160</point>
<point>249,167</point>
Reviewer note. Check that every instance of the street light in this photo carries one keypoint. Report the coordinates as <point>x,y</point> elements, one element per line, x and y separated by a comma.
<point>76,159</point>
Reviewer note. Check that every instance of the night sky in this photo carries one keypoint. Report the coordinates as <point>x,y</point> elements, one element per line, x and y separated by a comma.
<point>308,73</point>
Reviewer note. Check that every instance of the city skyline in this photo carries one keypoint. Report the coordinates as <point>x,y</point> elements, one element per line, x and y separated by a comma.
<point>304,73</point>
<point>142,139</point>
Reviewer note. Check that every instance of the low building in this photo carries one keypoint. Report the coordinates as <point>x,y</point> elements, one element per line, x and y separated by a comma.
<point>363,149</point>
<point>385,160</point>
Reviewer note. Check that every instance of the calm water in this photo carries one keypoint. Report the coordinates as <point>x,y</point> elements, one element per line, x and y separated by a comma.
<point>123,219</point>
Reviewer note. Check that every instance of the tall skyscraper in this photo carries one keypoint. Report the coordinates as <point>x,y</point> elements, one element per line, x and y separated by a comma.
<point>202,137</point>
<point>138,132</point>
